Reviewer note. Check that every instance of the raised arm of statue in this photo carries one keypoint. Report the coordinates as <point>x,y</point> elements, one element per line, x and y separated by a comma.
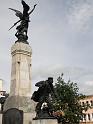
<point>32,9</point>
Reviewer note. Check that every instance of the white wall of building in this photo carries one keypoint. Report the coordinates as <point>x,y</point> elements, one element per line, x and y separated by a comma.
<point>1,84</point>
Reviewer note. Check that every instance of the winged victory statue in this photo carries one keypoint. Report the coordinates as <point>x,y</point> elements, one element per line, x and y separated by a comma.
<point>22,28</point>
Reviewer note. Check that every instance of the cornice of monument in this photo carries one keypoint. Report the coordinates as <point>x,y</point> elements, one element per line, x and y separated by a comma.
<point>21,48</point>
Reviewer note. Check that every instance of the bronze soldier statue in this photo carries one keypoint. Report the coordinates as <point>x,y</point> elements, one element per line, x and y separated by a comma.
<point>43,95</point>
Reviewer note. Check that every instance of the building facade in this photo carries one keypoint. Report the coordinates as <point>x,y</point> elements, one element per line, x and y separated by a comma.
<point>88,115</point>
<point>2,92</point>
<point>1,84</point>
<point>2,95</point>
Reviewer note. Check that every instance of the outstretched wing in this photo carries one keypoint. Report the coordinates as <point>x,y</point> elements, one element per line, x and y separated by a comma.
<point>25,6</point>
<point>17,13</point>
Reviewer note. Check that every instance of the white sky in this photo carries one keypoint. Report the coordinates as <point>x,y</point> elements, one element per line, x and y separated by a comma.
<point>61,36</point>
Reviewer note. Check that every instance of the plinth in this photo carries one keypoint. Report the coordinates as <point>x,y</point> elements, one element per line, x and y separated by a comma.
<point>45,121</point>
<point>44,117</point>
<point>20,88</point>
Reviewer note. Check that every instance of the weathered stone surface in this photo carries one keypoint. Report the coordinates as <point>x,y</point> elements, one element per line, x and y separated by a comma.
<point>28,117</point>
<point>21,103</point>
<point>21,70</point>
<point>20,87</point>
<point>45,121</point>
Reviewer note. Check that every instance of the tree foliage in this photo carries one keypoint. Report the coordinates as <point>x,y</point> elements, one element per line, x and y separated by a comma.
<point>67,102</point>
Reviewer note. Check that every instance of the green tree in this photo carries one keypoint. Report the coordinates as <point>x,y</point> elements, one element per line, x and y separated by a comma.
<point>67,102</point>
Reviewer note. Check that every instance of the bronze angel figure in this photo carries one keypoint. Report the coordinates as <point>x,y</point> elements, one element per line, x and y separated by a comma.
<point>22,29</point>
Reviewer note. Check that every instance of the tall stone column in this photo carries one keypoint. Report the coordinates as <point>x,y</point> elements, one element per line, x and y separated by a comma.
<point>20,88</point>
<point>21,70</point>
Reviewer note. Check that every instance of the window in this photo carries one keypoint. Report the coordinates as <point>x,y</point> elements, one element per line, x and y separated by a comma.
<point>83,103</point>
<point>84,117</point>
<point>87,102</point>
<point>91,103</point>
<point>88,116</point>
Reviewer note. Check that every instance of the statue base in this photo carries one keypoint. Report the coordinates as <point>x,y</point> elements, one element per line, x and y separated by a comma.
<point>44,114</point>
<point>20,88</point>
<point>44,121</point>
<point>23,41</point>
<point>21,37</point>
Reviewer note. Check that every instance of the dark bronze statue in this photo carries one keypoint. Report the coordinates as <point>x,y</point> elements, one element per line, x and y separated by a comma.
<point>22,29</point>
<point>44,106</point>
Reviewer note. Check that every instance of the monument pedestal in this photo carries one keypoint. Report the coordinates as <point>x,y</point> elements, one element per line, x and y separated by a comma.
<point>20,88</point>
<point>45,121</point>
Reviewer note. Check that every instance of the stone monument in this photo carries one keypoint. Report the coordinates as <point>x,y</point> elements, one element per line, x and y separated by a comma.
<point>20,88</point>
